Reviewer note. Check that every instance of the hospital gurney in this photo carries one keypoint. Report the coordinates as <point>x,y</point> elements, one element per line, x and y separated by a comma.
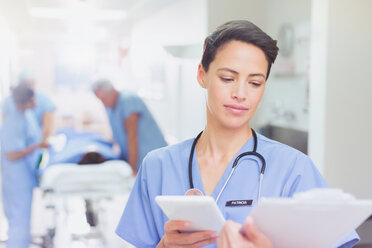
<point>98,180</point>
<point>93,183</point>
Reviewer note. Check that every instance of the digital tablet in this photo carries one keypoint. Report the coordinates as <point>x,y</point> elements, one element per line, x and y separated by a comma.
<point>201,211</point>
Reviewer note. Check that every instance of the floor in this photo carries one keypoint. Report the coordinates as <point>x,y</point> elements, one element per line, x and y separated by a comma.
<point>365,233</point>
<point>65,217</point>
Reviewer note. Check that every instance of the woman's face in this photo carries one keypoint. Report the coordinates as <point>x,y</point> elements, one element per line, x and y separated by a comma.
<point>235,83</point>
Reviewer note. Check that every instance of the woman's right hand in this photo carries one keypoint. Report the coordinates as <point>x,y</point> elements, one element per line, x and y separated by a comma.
<point>173,236</point>
<point>234,235</point>
<point>43,144</point>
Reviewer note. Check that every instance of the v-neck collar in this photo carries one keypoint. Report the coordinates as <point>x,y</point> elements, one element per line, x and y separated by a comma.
<point>198,183</point>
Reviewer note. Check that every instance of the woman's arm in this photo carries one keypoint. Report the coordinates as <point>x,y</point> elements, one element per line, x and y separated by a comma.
<point>131,127</point>
<point>12,156</point>
<point>48,119</point>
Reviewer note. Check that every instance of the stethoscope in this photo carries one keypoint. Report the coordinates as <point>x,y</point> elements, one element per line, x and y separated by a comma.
<point>194,191</point>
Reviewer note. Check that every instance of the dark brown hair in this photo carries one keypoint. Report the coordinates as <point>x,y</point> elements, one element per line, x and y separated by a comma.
<point>22,94</point>
<point>91,158</point>
<point>240,30</point>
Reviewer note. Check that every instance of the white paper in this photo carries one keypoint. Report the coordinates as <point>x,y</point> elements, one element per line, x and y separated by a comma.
<point>319,218</point>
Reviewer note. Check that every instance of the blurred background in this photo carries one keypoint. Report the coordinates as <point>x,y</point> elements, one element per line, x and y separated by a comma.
<point>317,99</point>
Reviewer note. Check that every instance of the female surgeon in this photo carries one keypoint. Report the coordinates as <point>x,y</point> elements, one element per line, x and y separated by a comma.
<point>234,68</point>
<point>20,140</point>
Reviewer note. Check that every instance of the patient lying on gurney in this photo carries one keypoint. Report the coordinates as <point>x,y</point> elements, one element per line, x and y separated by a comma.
<point>61,169</point>
<point>70,146</point>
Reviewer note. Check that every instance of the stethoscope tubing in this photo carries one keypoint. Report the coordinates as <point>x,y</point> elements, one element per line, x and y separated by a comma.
<point>251,153</point>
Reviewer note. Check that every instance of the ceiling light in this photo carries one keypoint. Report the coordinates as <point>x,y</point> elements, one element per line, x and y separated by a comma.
<point>87,14</point>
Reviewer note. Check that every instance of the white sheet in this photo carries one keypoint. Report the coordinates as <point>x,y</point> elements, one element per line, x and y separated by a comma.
<point>106,179</point>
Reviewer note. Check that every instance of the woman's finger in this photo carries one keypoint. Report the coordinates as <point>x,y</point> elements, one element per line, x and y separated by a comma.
<point>174,236</point>
<point>176,226</point>
<point>192,238</point>
<point>253,234</point>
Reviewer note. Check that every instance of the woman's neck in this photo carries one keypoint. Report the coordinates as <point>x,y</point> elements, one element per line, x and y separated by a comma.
<point>219,143</point>
<point>215,150</point>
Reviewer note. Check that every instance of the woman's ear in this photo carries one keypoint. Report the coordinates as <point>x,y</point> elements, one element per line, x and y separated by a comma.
<point>201,76</point>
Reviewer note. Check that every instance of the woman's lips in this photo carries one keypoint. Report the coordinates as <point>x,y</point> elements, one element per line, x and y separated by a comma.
<point>236,109</point>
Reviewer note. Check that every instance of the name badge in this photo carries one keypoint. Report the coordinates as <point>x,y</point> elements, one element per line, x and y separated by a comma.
<point>238,203</point>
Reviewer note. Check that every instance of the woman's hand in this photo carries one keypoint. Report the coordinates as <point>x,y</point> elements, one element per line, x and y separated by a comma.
<point>174,238</point>
<point>232,236</point>
<point>43,144</point>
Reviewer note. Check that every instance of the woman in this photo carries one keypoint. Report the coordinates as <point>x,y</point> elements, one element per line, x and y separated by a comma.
<point>235,65</point>
<point>21,139</point>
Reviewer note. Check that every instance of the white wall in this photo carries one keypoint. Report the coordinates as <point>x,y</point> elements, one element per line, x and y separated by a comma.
<point>283,94</point>
<point>6,48</point>
<point>318,76</point>
<point>221,11</point>
<point>182,22</point>
<point>180,28</point>
<point>41,51</point>
<point>341,93</point>
<point>285,102</point>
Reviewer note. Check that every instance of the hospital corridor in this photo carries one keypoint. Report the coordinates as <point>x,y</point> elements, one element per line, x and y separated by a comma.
<point>106,105</point>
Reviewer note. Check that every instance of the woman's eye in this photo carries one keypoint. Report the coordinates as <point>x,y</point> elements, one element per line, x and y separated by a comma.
<point>225,79</point>
<point>256,84</point>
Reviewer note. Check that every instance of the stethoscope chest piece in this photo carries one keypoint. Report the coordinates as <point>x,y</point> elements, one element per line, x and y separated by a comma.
<point>194,191</point>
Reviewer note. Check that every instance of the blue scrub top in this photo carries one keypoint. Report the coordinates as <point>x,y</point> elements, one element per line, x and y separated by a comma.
<point>165,172</point>
<point>42,106</point>
<point>19,131</point>
<point>150,136</point>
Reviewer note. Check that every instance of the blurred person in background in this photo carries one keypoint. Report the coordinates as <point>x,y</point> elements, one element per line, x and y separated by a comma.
<point>21,138</point>
<point>44,107</point>
<point>133,127</point>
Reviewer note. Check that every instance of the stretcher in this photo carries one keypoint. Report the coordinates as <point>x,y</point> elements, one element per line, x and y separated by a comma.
<point>98,180</point>
<point>92,183</point>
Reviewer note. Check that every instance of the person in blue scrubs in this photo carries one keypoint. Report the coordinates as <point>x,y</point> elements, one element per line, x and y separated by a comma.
<point>44,107</point>
<point>233,71</point>
<point>20,142</point>
<point>133,127</point>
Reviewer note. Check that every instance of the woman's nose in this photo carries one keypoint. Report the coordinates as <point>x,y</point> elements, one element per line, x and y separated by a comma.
<point>239,91</point>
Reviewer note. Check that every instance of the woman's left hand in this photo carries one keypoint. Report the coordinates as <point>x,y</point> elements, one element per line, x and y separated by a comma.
<point>231,236</point>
